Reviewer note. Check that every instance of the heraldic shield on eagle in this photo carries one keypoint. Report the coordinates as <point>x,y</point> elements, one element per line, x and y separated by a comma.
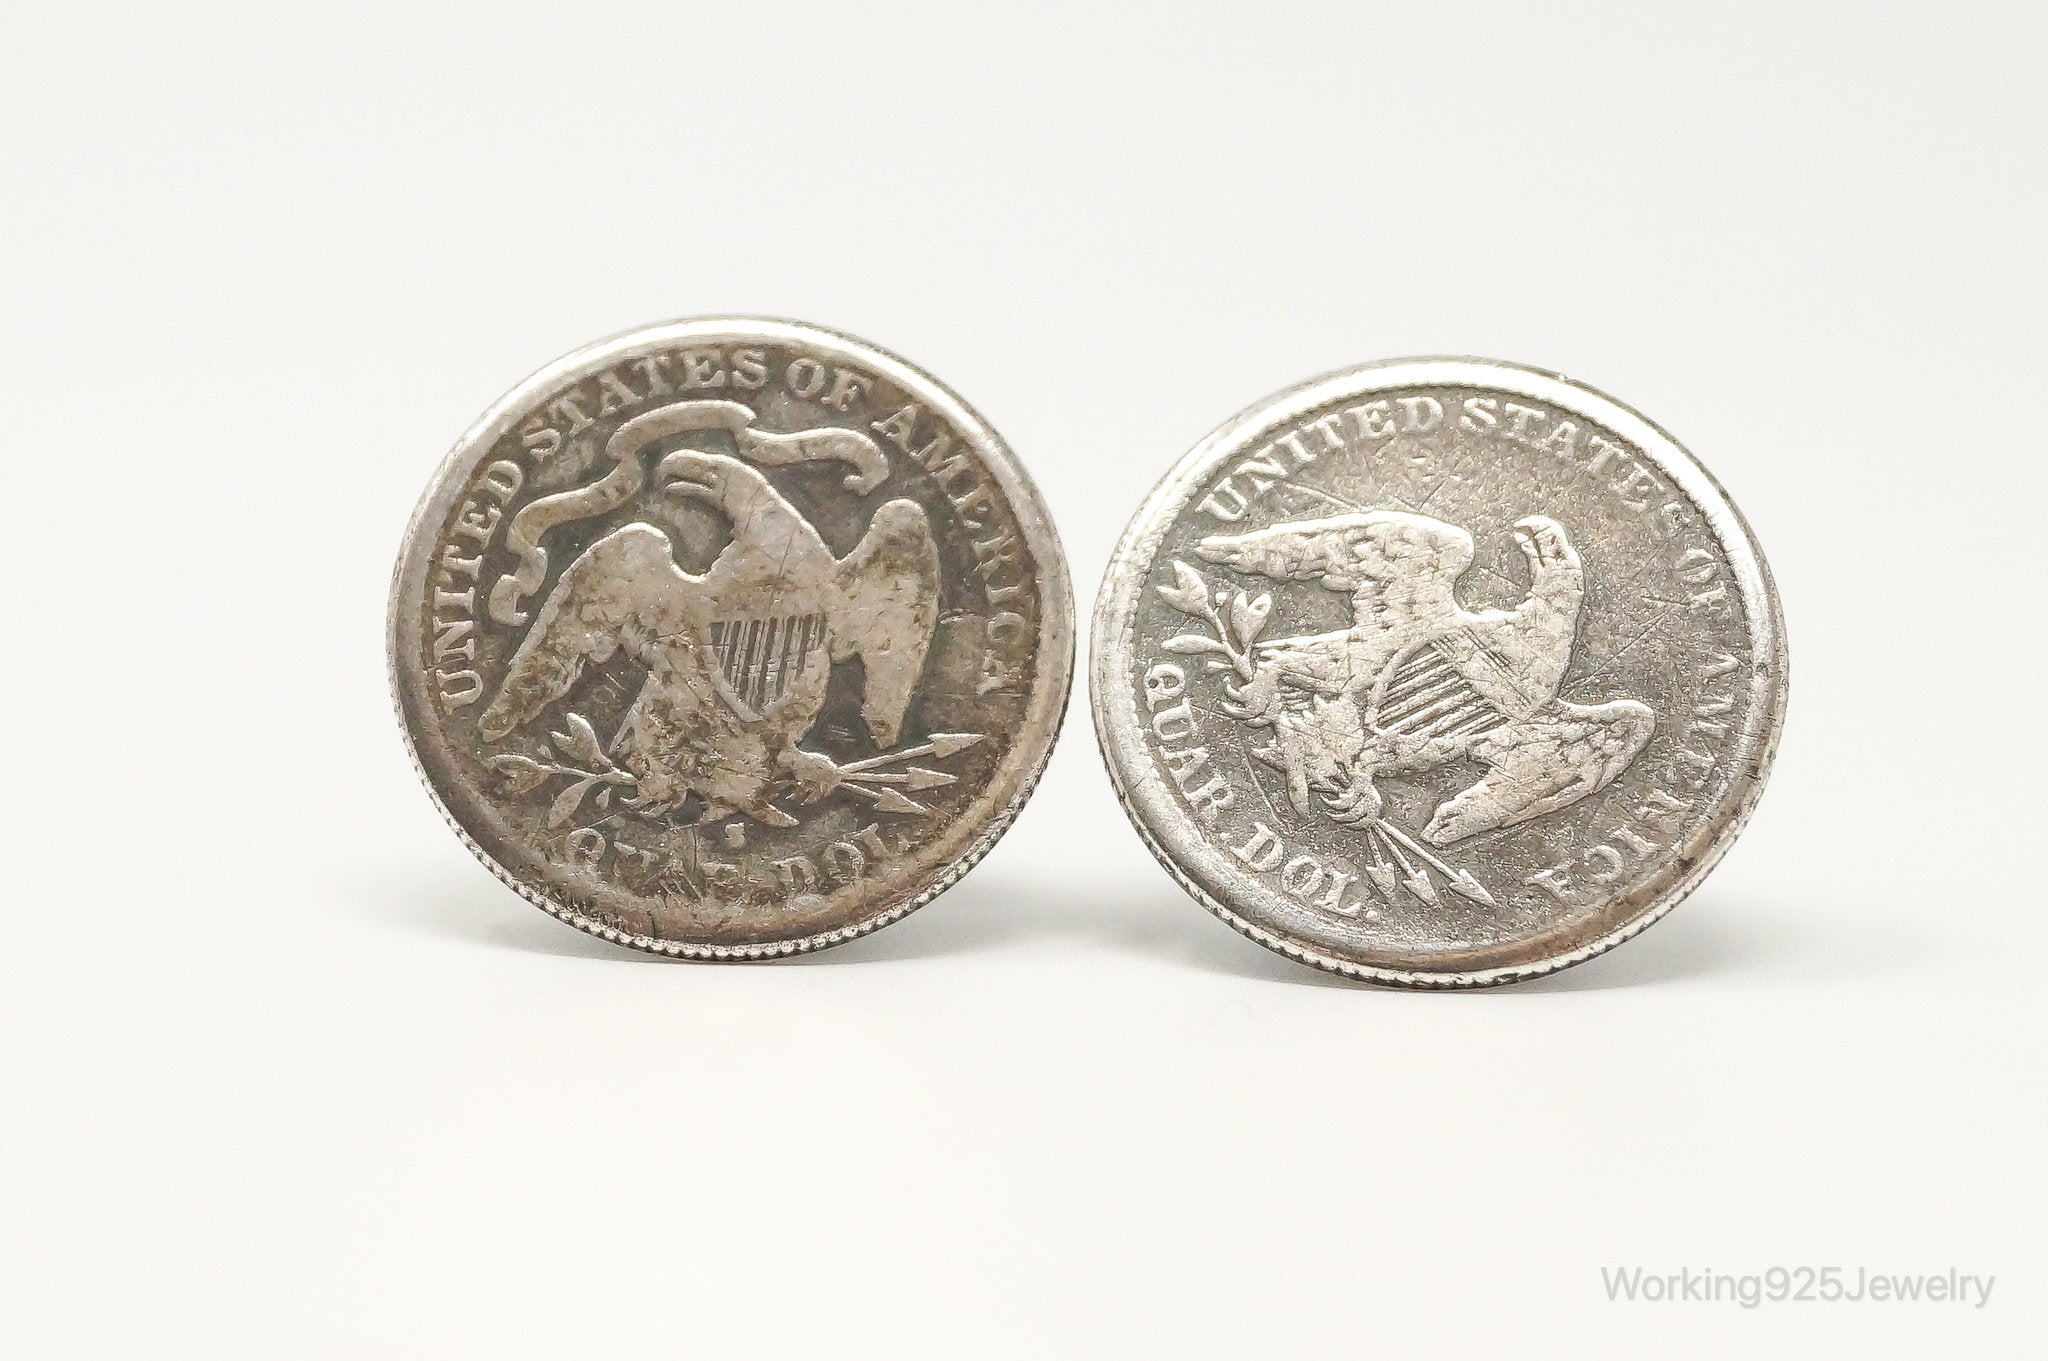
<point>737,660</point>
<point>1417,680</point>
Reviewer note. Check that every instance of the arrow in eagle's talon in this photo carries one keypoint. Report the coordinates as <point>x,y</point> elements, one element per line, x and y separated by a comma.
<point>1382,873</point>
<point>1463,882</point>
<point>1421,852</point>
<point>888,800</point>
<point>941,745</point>
<point>917,777</point>
<point>1416,878</point>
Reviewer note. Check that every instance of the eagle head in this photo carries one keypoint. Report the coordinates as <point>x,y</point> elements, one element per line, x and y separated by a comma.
<point>725,484</point>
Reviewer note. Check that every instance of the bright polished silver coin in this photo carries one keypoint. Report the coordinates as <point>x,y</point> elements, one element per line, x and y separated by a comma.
<point>730,638</point>
<point>1438,672</point>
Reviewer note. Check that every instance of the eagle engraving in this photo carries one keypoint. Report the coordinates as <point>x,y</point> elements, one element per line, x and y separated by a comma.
<point>736,660</point>
<point>1418,680</point>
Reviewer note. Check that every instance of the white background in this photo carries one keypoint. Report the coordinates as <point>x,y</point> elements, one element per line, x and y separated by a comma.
<point>287,1074</point>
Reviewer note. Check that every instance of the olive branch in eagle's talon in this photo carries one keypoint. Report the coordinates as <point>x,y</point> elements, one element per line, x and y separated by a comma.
<point>1234,633</point>
<point>518,774</point>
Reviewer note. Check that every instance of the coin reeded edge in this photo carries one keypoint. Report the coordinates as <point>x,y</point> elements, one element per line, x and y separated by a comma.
<point>1051,683</point>
<point>1111,640</point>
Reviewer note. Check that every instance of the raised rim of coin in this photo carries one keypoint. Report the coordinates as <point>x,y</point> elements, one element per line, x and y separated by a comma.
<point>973,832</point>
<point>1200,868</point>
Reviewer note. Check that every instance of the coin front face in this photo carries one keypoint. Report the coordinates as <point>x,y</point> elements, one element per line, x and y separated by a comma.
<point>1438,672</point>
<point>730,638</point>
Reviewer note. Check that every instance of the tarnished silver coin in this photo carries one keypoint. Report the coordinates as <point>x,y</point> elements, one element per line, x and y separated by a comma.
<point>730,638</point>
<point>1438,672</point>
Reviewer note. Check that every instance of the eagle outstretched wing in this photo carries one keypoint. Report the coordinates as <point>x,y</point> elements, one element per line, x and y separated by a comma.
<point>887,607</point>
<point>1536,768</point>
<point>1347,553</point>
<point>626,582</point>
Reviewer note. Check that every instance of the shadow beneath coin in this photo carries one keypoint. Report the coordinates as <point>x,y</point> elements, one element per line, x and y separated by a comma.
<point>1704,939</point>
<point>992,912</point>
<point>1002,911</point>
<point>1695,941</point>
<point>1712,938</point>
<point>982,913</point>
<point>478,910</point>
<point>986,913</point>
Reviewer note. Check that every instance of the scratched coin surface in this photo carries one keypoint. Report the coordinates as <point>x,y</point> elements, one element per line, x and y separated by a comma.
<point>730,638</point>
<point>1438,672</point>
